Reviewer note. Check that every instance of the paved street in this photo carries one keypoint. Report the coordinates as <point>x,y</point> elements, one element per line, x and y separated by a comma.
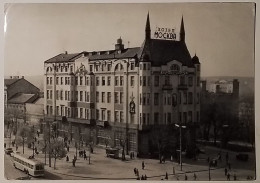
<point>102,167</point>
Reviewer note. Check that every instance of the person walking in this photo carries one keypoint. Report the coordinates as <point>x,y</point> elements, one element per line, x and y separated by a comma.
<point>166,176</point>
<point>225,171</point>
<point>195,176</point>
<point>142,178</point>
<point>186,177</point>
<point>145,177</point>
<point>143,165</point>
<point>67,158</point>
<point>68,148</point>
<point>228,176</point>
<point>135,171</point>
<point>85,156</point>
<point>73,162</point>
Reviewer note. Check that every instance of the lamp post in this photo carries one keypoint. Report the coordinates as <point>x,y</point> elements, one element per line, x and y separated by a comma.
<point>180,127</point>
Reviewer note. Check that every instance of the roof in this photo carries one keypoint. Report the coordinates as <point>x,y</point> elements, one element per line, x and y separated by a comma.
<point>63,57</point>
<point>22,98</point>
<point>9,82</point>
<point>39,101</point>
<point>162,51</point>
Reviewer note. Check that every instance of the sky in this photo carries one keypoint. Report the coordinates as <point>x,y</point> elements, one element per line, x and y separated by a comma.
<point>221,34</point>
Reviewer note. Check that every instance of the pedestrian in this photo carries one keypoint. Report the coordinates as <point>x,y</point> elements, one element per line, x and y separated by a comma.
<point>35,139</point>
<point>228,176</point>
<point>67,158</point>
<point>13,143</point>
<point>138,178</point>
<point>143,165</point>
<point>195,176</point>
<point>73,162</point>
<point>135,171</point>
<point>16,147</point>
<point>173,171</point>
<point>130,155</point>
<point>225,171</point>
<point>4,145</point>
<point>142,178</point>
<point>186,177</point>
<point>85,156</point>
<point>145,177</point>
<point>235,177</point>
<point>68,148</point>
<point>166,176</point>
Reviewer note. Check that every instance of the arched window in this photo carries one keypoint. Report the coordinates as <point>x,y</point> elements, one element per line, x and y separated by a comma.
<point>119,67</point>
<point>175,67</point>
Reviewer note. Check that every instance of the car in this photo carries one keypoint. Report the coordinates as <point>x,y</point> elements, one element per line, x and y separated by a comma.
<point>8,150</point>
<point>242,157</point>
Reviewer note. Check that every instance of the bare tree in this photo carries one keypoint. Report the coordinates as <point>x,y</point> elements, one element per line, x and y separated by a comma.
<point>57,150</point>
<point>24,132</point>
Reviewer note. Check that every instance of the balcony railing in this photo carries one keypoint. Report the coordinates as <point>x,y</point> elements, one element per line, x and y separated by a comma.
<point>167,87</point>
<point>182,87</point>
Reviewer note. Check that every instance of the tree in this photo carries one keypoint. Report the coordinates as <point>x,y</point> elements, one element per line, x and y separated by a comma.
<point>57,150</point>
<point>23,133</point>
<point>12,115</point>
<point>77,138</point>
<point>123,144</point>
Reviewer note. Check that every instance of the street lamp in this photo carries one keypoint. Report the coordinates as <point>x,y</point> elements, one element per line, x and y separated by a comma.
<point>180,127</point>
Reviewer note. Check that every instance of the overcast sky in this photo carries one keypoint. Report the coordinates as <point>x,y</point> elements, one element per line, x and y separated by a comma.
<point>221,34</point>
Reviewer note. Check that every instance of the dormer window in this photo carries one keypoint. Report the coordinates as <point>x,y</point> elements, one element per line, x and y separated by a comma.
<point>175,67</point>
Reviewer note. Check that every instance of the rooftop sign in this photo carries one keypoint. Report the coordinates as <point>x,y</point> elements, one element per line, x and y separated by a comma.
<point>165,33</point>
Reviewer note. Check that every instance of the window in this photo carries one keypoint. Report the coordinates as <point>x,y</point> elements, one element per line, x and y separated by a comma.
<point>156,80</point>
<point>141,66</point>
<point>91,68</point>
<point>103,81</point>
<point>169,118</point>
<point>47,109</point>
<point>47,94</point>
<point>132,80</point>
<point>103,97</point>
<point>144,98</point>
<point>140,99</point>
<point>190,116</point>
<point>108,80</point>
<point>103,115</point>
<point>156,118</point>
<point>87,82</point>
<point>87,96</point>
<point>57,80</point>
<point>97,114</point>
<point>81,95</point>
<point>140,80</point>
<point>156,98</point>
<point>121,116</point>
<point>88,114</point>
<point>140,118</point>
<point>96,67</point>
<point>144,80</point>
<point>61,80</point>
<point>116,97</point>
<point>80,80</point>
<point>50,80</point>
<point>198,98</point>
<point>102,67</point>
<point>175,67</point>
<point>57,110</point>
<point>148,98</point>
<point>144,66</point>
<point>71,68</point>
<point>185,117</point>
<point>57,94</point>
<point>108,67</point>
<point>132,66</point>
<point>144,118</point>
<point>169,99</point>
<point>148,66</point>
<point>121,80</point>
<point>198,81</point>
<point>198,67</point>
<point>76,95</point>
<point>97,96</point>
<point>97,81</point>
<point>116,81</point>
<point>190,81</point>
<point>179,94</point>
<point>190,97</point>
<point>185,97</point>
<point>121,97</point>
<point>68,81</point>
<point>47,80</point>
<point>108,97</point>
<point>76,80</point>
<point>109,115</point>
<point>148,118</point>
<point>81,113</point>
<point>180,117</point>
<point>198,116</point>
<point>116,116</point>
<point>66,95</point>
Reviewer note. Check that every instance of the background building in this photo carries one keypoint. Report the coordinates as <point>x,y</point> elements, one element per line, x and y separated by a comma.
<point>123,97</point>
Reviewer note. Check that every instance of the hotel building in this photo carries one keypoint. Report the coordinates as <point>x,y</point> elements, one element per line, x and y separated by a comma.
<point>118,96</point>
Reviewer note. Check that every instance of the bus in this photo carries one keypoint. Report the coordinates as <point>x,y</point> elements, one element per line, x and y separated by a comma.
<point>29,166</point>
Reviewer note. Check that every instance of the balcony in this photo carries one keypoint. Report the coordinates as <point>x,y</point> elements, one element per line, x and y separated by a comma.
<point>72,104</point>
<point>167,87</point>
<point>182,87</point>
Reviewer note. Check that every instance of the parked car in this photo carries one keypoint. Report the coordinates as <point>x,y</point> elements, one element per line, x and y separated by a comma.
<point>242,156</point>
<point>8,150</point>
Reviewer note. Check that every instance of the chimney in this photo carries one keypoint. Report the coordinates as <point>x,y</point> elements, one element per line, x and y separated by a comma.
<point>66,52</point>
